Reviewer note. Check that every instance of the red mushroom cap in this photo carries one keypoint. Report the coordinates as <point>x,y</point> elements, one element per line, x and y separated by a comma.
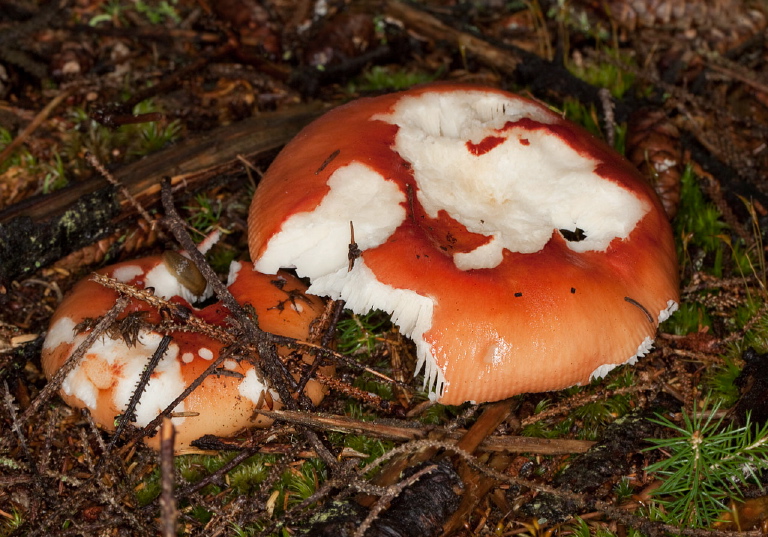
<point>107,376</point>
<point>519,252</point>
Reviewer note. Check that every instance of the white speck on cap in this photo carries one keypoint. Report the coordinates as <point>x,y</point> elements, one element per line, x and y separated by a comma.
<point>205,353</point>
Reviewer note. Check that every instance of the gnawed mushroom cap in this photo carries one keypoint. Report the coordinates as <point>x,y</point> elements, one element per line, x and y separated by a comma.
<point>108,374</point>
<point>519,252</point>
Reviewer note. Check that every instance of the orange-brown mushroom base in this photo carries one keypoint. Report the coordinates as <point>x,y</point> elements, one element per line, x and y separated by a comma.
<point>521,253</point>
<point>224,403</point>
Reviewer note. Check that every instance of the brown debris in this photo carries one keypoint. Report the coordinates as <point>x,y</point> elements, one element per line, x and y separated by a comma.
<point>653,146</point>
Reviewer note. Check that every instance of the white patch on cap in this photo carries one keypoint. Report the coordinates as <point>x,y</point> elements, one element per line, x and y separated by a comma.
<point>187,357</point>
<point>124,366</point>
<point>166,383</point>
<point>62,331</point>
<point>518,192</point>
<point>253,388</point>
<point>409,310</point>
<point>230,365</point>
<point>667,312</point>
<point>317,243</point>
<point>643,349</point>
<point>205,353</point>
<point>126,273</point>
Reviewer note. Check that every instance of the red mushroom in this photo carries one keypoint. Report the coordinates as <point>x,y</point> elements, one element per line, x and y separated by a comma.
<point>107,376</point>
<point>519,252</point>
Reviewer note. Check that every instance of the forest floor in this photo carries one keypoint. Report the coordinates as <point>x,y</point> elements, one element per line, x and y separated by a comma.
<point>101,101</point>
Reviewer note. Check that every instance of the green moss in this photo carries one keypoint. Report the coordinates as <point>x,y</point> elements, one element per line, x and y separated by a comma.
<point>388,78</point>
<point>12,522</point>
<point>248,475</point>
<point>703,239</point>
<point>719,381</point>
<point>358,334</point>
<point>115,12</point>
<point>690,317</point>
<point>20,157</point>
<point>587,117</point>
<point>607,74</point>
<point>439,414</point>
<point>204,213</point>
<point>125,143</point>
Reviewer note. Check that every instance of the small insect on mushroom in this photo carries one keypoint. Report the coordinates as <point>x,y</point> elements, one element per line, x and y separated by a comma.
<point>519,252</point>
<point>107,375</point>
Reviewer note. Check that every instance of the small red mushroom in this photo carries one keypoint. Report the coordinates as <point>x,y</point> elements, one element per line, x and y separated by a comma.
<point>519,252</point>
<point>224,403</point>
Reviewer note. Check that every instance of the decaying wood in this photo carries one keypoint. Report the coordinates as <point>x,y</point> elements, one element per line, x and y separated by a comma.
<point>40,230</point>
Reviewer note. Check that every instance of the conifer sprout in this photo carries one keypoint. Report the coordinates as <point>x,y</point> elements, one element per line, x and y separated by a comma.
<point>519,252</point>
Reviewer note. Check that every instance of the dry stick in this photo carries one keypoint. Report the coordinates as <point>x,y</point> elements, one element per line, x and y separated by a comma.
<point>36,122</point>
<point>265,348</point>
<point>93,161</point>
<point>609,120</point>
<point>477,486</point>
<point>175,225</point>
<point>122,480</point>
<point>499,58</point>
<point>55,383</point>
<point>16,426</point>
<point>332,310</point>
<point>190,322</point>
<point>107,492</point>
<point>167,500</point>
<point>580,399</point>
<point>45,456</point>
<point>391,431</point>
<point>216,476</point>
